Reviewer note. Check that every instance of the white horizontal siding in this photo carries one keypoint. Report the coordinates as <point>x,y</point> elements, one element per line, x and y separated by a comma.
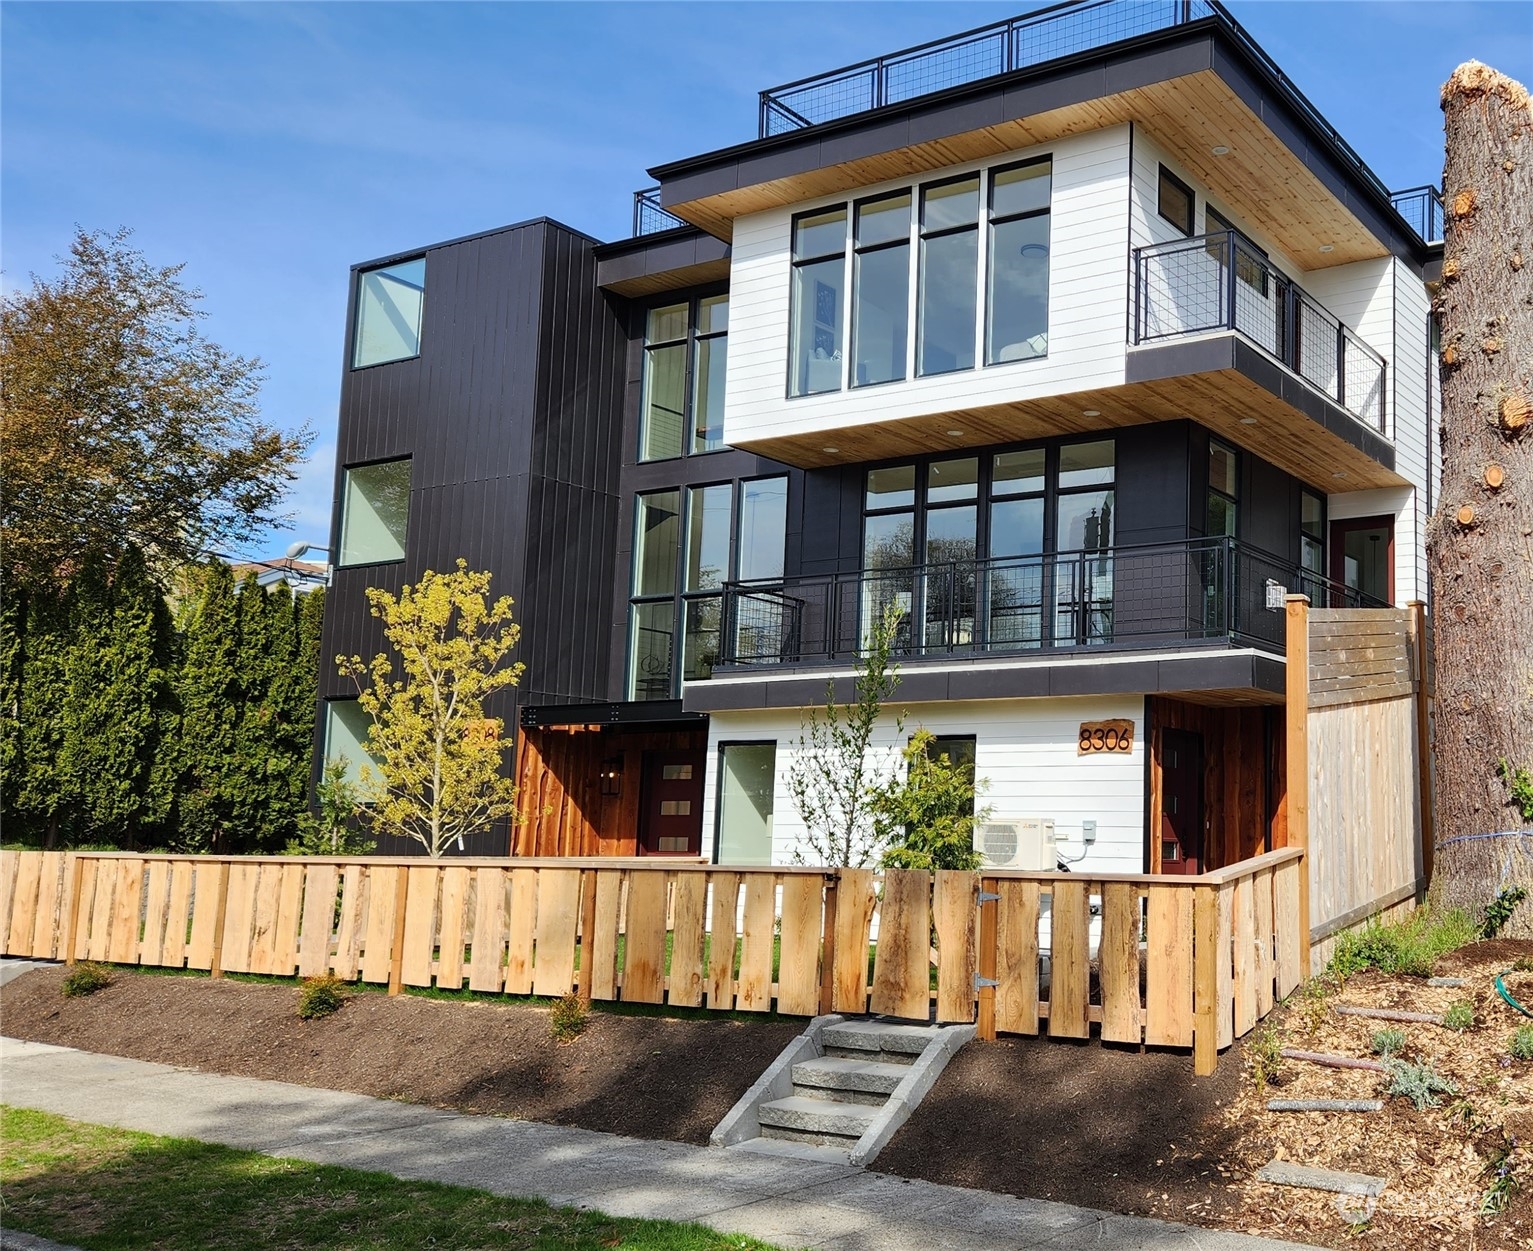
<point>1088,252</point>
<point>1025,749</point>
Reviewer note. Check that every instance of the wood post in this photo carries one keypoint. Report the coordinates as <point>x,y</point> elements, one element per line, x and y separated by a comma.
<point>1428,822</point>
<point>988,942</point>
<point>220,910</point>
<point>397,945</point>
<point>587,932</point>
<point>72,914</point>
<point>1297,763</point>
<point>828,946</point>
<point>1205,980</point>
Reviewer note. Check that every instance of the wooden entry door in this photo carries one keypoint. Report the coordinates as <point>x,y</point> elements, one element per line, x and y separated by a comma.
<point>671,808</point>
<point>1181,819</point>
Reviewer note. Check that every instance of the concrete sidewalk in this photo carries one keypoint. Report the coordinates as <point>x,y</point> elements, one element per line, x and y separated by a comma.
<point>790,1202</point>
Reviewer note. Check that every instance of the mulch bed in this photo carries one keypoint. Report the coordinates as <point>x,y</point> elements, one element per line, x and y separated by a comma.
<point>645,1076</point>
<point>1110,1128</point>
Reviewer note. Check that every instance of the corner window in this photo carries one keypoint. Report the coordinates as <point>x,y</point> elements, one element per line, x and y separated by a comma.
<point>881,290</point>
<point>375,511</point>
<point>346,727</point>
<point>1175,201</point>
<point>819,292</point>
<point>948,297</point>
<point>389,302</point>
<point>710,348</point>
<point>685,354</point>
<point>1017,300</point>
<point>747,785</point>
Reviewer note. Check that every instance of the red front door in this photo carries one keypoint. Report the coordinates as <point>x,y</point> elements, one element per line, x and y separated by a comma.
<point>671,807</point>
<point>1181,801</point>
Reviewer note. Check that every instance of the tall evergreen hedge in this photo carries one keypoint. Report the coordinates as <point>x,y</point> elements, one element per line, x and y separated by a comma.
<point>126,725</point>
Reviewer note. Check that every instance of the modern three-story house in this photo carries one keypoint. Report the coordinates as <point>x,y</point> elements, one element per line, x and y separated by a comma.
<point>1078,341</point>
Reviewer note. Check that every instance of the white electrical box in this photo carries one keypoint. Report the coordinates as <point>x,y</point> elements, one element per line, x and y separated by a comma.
<point>1023,843</point>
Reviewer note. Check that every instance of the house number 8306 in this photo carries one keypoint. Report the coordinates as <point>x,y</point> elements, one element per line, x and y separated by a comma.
<point>1105,736</point>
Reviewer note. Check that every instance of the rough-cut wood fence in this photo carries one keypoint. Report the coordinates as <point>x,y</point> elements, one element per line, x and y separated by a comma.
<point>1184,962</point>
<point>1358,720</point>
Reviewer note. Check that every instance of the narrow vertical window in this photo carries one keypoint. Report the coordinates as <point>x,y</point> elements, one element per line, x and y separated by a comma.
<point>389,305</point>
<point>663,412</point>
<point>1017,300</point>
<point>1083,526</point>
<point>1312,536</point>
<point>709,354</point>
<point>818,298</point>
<point>947,593</point>
<point>1016,566</point>
<point>1175,202</point>
<point>762,534</point>
<point>1223,489</point>
<point>375,513</point>
<point>346,728</point>
<point>949,276</point>
<point>707,568</point>
<point>881,290</point>
<point>888,544</point>
<point>747,796</point>
<point>652,614</point>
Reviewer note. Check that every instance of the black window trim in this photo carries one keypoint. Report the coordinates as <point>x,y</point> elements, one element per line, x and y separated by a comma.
<point>690,340</point>
<point>867,249</point>
<point>718,786</point>
<point>991,222</point>
<point>1190,227</point>
<point>340,529</point>
<point>356,315</point>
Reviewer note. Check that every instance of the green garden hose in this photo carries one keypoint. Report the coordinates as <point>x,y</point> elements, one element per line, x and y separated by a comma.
<point>1505,994</point>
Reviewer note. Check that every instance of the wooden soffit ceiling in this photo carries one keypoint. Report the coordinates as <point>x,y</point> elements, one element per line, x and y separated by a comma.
<point>1260,177</point>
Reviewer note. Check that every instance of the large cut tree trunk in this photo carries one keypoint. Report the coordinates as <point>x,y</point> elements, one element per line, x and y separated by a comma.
<point>1480,540</point>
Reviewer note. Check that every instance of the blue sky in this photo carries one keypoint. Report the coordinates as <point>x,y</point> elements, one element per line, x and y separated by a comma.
<point>270,146</point>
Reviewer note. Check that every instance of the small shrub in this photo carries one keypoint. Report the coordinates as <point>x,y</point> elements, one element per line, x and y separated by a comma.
<point>568,1017</point>
<point>1313,996</point>
<point>1389,1042</point>
<point>320,996</point>
<point>1410,947</point>
<point>1521,1045</point>
<point>1523,964</point>
<point>1265,1052</point>
<point>1420,1083</point>
<point>86,979</point>
<point>1499,910</point>
<point>1459,1016</point>
<point>1503,1181</point>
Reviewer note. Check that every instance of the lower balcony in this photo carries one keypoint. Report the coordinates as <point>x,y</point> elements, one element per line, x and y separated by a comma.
<point>1203,594</point>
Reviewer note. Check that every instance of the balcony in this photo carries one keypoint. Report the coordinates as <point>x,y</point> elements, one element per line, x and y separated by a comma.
<point>648,217</point>
<point>1201,591</point>
<point>1221,281</point>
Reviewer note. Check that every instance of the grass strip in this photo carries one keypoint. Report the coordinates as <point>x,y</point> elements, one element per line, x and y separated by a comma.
<point>114,1190</point>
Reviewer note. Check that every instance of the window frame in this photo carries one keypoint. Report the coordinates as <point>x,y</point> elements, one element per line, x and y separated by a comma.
<point>356,313</point>
<point>858,251</point>
<point>689,343</point>
<point>330,702</point>
<point>1232,499</point>
<point>991,222</point>
<point>795,263</point>
<point>923,236</point>
<point>1189,228</point>
<point>718,789</point>
<point>340,532</point>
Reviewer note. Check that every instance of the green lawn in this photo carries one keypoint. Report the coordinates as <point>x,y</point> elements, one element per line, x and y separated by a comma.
<point>111,1189</point>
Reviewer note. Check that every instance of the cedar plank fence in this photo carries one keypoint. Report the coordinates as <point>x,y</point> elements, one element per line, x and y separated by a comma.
<point>1181,961</point>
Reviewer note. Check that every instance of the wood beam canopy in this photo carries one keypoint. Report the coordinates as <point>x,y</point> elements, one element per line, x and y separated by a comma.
<point>1282,435</point>
<point>1260,177</point>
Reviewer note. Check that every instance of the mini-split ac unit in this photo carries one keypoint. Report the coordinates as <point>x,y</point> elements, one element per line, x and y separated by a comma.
<point>1027,843</point>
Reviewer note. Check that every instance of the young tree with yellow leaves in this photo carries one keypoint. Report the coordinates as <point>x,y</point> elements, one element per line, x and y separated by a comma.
<point>436,772</point>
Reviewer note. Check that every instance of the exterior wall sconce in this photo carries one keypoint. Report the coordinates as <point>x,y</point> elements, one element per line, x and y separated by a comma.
<point>612,776</point>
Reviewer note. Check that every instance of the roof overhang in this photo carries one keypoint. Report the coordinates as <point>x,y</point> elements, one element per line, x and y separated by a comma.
<point>1192,87</point>
<point>665,261</point>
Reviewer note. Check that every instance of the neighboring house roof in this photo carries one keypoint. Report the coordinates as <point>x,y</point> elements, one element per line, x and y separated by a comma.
<point>300,575</point>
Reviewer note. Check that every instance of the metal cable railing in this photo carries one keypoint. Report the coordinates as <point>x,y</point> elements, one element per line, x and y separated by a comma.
<point>1222,281</point>
<point>1032,39</point>
<point>1198,590</point>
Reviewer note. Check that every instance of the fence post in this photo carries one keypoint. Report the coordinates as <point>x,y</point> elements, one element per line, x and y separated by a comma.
<point>1418,628</point>
<point>1297,756</point>
<point>587,932</point>
<point>397,946</point>
<point>828,946</point>
<point>1205,980</point>
<point>220,910</point>
<point>72,916</point>
<point>988,943</point>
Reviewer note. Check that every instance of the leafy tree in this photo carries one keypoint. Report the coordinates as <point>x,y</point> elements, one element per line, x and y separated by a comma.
<point>438,772</point>
<point>210,696</point>
<point>123,427</point>
<point>332,833</point>
<point>836,780</point>
<point>927,818</point>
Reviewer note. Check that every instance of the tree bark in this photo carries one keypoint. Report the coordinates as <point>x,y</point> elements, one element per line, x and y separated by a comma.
<point>1480,539</point>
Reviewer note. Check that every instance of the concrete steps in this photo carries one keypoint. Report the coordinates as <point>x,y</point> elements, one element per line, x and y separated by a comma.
<point>840,1090</point>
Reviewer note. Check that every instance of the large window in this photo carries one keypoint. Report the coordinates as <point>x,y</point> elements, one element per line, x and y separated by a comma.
<point>1033,565</point>
<point>949,284</point>
<point>687,544</point>
<point>685,355</point>
<point>979,236</point>
<point>389,302</point>
<point>346,727</point>
<point>818,303</point>
<point>1017,308</point>
<point>747,784</point>
<point>375,510</point>
<point>881,289</point>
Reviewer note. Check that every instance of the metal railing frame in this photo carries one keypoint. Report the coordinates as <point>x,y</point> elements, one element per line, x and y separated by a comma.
<point>649,217</point>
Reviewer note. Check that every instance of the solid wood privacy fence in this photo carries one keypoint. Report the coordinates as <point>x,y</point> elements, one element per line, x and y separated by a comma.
<point>1183,962</point>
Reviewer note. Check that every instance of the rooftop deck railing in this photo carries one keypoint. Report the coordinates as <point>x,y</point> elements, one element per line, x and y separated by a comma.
<point>648,217</point>
<point>1030,39</point>
<point>1422,208</point>
<point>1209,589</point>
<point>1222,281</point>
